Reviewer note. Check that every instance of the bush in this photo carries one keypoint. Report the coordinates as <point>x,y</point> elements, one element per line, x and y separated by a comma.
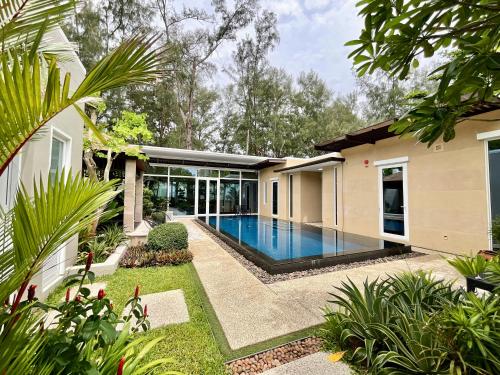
<point>158,217</point>
<point>168,237</point>
<point>138,256</point>
<point>414,324</point>
<point>113,236</point>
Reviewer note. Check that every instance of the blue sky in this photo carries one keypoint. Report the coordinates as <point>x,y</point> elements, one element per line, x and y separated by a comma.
<point>312,36</point>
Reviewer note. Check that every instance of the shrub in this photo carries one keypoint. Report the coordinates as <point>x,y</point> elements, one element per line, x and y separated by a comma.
<point>158,217</point>
<point>113,236</point>
<point>138,256</point>
<point>414,324</point>
<point>168,237</point>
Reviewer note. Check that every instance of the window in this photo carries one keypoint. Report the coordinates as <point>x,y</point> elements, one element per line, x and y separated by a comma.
<point>180,171</point>
<point>182,195</point>
<point>56,157</point>
<point>494,163</point>
<point>249,175</point>
<point>158,169</point>
<point>230,174</point>
<point>229,196</point>
<point>208,173</point>
<point>264,189</point>
<point>249,196</point>
<point>335,199</point>
<point>290,194</point>
<point>275,198</point>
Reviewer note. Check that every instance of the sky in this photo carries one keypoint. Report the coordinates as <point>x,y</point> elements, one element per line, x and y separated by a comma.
<point>312,37</point>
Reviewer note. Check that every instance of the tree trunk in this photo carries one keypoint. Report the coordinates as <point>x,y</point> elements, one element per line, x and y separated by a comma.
<point>88,158</point>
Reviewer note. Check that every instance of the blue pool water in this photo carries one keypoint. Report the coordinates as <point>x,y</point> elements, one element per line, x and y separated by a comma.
<point>284,240</point>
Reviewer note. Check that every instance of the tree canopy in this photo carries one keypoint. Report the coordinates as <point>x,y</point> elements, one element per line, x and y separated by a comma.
<point>397,34</point>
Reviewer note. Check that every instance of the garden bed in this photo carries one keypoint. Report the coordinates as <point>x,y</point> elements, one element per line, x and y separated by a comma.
<point>108,267</point>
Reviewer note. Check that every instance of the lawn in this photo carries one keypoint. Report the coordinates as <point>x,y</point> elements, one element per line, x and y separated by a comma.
<point>191,344</point>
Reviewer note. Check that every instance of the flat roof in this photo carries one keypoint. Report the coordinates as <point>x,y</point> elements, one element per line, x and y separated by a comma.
<point>314,164</point>
<point>379,131</point>
<point>179,156</point>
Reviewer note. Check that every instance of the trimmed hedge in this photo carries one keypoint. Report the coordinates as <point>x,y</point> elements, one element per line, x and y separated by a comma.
<point>138,256</point>
<point>168,237</point>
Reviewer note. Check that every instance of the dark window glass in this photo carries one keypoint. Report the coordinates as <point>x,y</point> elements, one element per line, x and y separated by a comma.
<point>291,195</point>
<point>157,169</point>
<point>250,175</point>
<point>393,200</point>
<point>494,161</point>
<point>275,198</point>
<point>249,196</point>
<point>178,171</point>
<point>182,195</point>
<point>208,173</point>
<point>229,196</point>
<point>159,190</point>
<point>230,174</point>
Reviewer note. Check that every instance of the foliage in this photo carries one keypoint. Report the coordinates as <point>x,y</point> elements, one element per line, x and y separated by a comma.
<point>495,229</point>
<point>103,244</point>
<point>469,266</point>
<point>147,201</point>
<point>396,34</point>
<point>414,324</point>
<point>158,217</point>
<point>168,237</point>
<point>139,256</point>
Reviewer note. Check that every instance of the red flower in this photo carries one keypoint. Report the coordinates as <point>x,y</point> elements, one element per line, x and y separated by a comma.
<point>67,295</point>
<point>120,366</point>
<point>90,257</point>
<point>78,298</point>
<point>136,294</point>
<point>145,311</point>
<point>111,306</point>
<point>101,294</point>
<point>31,292</point>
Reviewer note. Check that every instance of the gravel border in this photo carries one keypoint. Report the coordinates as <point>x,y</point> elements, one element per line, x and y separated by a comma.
<point>267,278</point>
<point>260,362</point>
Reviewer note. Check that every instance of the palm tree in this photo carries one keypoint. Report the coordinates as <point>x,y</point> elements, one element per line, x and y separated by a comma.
<point>32,92</point>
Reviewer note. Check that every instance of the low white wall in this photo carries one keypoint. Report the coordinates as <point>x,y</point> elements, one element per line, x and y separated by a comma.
<point>106,268</point>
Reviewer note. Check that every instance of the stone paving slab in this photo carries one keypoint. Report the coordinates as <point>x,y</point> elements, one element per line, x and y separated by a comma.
<point>314,364</point>
<point>164,308</point>
<point>250,311</point>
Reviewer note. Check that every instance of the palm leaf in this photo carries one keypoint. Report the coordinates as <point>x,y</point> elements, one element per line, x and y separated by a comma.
<point>28,102</point>
<point>44,221</point>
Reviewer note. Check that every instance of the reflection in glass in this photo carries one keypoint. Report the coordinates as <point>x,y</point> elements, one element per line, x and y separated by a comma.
<point>208,173</point>
<point>212,197</point>
<point>202,197</point>
<point>179,171</point>
<point>230,174</point>
<point>229,196</point>
<point>250,175</point>
<point>159,188</point>
<point>158,169</point>
<point>182,195</point>
<point>392,184</point>
<point>249,196</point>
<point>494,161</point>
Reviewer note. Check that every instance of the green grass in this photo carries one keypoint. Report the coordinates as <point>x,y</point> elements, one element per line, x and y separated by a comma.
<point>199,346</point>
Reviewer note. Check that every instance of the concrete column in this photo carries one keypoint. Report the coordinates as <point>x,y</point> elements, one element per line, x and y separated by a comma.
<point>129,196</point>
<point>139,188</point>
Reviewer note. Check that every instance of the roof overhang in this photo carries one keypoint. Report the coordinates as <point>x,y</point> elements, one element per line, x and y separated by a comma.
<point>210,159</point>
<point>313,165</point>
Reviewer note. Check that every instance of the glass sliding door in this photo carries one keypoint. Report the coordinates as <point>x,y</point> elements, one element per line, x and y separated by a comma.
<point>249,196</point>
<point>182,195</point>
<point>229,196</point>
<point>275,198</point>
<point>207,197</point>
<point>212,197</point>
<point>393,200</point>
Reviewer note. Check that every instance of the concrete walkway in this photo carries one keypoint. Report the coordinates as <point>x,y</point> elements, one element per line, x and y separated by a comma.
<point>314,364</point>
<point>251,312</point>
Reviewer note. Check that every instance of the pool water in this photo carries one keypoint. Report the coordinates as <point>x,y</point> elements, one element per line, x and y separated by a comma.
<point>285,241</point>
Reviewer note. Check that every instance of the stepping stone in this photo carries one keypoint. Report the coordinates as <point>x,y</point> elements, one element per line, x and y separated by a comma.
<point>164,308</point>
<point>314,364</point>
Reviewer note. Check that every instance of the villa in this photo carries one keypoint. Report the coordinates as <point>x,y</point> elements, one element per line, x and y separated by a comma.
<point>369,183</point>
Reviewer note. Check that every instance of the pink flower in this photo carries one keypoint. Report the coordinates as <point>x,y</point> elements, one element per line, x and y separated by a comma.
<point>136,294</point>
<point>101,294</point>
<point>67,295</point>
<point>120,366</point>
<point>31,292</point>
<point>90,257</point>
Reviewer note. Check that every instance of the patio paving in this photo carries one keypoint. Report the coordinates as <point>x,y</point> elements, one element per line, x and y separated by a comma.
<point>251,312</point>
<point>314,364</point>
<point>164,308</point>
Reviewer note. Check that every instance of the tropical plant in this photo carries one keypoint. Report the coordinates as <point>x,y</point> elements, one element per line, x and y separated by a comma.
<point>139,256</point>
<point>397,34</point>
<point>469,266</point>
<point>168,237</point>
<point>113,236</point>
<point>32,92</point>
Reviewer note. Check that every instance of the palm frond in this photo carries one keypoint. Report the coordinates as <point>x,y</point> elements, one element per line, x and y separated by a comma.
<point>28,102</point>
<point>43,222</point>
<point>21,20</point>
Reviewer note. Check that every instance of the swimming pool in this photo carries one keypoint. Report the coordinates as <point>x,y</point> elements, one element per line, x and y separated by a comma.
<point>283,246</point>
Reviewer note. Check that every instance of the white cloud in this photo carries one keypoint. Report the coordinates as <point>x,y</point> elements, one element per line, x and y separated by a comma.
<point>316,4</point>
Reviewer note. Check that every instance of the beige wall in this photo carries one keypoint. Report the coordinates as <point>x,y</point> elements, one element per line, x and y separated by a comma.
<point>447,192</point>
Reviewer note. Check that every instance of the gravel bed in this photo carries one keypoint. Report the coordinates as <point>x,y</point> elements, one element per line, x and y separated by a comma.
<point>267,278</point>
<point>260,362</point>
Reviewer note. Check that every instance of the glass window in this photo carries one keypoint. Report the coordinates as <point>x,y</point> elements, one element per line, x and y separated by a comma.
<point>494,161</point>
<point>249,196</point>
<point>250,175</point>
<point>56,157</point>
<point>392,181</point>
<point>181,171</point>
<point>157,169</point>
<point>275,198</point>
<point>208,173</point>
<point>291,195</point>
<point>182,195</point>
<point>229,196</point>
<point>159,192</point>
<point>230,174</point>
